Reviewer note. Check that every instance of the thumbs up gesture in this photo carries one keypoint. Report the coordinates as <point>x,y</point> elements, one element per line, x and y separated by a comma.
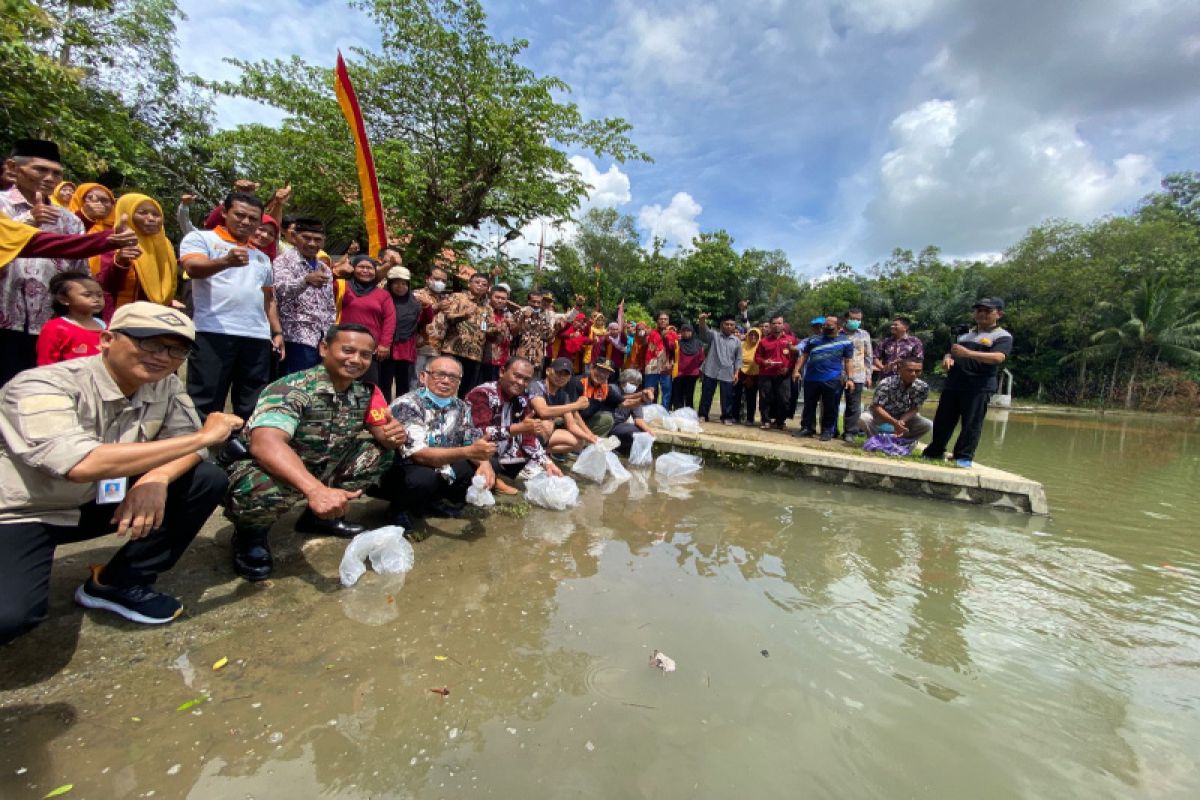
<point>43,213</point>
<point>123,236</point>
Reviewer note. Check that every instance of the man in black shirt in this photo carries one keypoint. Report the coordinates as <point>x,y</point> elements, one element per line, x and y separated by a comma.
<point>972,365</point>
<point>602,396</point>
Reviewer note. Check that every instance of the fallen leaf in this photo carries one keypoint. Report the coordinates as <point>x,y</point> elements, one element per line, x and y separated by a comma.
<point>66,787</point>
<point>195,701</point>
<point>391,599</point>
<point>136,719</point>
<point>220,662</point>
<point>442,690</point>
<point>440,658</point>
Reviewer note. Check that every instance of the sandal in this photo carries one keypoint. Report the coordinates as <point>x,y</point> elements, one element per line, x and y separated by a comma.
<point>503,488</point>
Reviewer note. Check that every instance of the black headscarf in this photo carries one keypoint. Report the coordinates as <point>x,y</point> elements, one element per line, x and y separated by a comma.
<point>689,347</point>
<point>408,313</point>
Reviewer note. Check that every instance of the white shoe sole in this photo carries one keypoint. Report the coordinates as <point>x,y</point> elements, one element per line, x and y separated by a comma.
<point>88,601</point>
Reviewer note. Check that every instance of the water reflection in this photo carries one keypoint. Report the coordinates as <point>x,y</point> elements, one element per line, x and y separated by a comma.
<point>826,637</point>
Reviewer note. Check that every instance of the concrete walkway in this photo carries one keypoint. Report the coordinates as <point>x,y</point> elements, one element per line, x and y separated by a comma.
<point>745,447</point>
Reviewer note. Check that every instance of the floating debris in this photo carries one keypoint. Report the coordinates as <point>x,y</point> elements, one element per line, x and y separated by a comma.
<point>66,787</point>
<point>442,690</point>
<point>195,701</point>
<point>662,661</point>
<point>220,662</point>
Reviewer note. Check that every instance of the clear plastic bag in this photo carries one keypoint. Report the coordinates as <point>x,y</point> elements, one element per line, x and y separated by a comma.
<point>478,494</point>
<point>641,453</point>
<point>615,467</point>
<point>558,493</point>
<point>609,443</point>
<point>654,413</point>
<point>591,463</point>
<point>388,550</point>
<point>673,466</point>
<point>686,420</point>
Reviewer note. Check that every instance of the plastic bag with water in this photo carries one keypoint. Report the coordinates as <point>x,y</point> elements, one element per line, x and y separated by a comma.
<point>388,550</point>
<point>591,463</point>
<point>554,492</point>
<point>674,466</point>
<point>478,494</point>
<point>641,453</point>
<point>615,467</point>
<point>686,420</point>
<point>654,413</point>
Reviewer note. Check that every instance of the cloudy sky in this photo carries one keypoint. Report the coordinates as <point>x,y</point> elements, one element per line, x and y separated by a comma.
<point>831,129</point>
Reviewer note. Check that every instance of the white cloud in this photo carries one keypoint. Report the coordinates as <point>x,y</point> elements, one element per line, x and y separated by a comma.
<point>609,189</point>
<point>676,223</point>
<point>974,176</point>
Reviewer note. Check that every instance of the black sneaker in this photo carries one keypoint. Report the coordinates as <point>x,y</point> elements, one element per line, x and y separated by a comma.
<point>134,603</point>
<point>826,436</point>
<point>805,433</point>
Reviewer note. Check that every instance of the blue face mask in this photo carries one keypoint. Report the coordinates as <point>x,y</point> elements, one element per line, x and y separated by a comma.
<point>440,402</point>
<point>852,325</point>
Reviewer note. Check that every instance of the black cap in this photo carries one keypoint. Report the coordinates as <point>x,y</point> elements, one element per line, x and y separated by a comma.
<point>35,148</point>
<point>562,365</point>
<point>604,363</point>
<point>990,302</point>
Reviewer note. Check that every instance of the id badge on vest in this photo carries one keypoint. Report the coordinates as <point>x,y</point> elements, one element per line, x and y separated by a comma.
<point>111,490</point>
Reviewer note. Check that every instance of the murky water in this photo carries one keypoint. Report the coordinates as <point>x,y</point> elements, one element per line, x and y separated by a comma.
<point>830,643</point>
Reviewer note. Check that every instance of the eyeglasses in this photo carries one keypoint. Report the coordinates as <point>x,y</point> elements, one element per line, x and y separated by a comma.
<point>444,376</point>
<point>155,345</point>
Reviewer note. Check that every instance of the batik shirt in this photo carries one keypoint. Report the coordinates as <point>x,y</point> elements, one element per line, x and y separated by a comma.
<point>305,311</point>
<point>464,334</point>
<point>430,425</point>
<point>25,282</point>
<point>494,416</point>
<point>537,328</point>
<point>892,351</point>
<point>860,363</point>
<point>896,398</point>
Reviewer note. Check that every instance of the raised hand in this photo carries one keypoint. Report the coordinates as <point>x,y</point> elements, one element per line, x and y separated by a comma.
<point>187,199</point>
<point>123,236</point>
<point>42,212</point>
<point>245,185</point>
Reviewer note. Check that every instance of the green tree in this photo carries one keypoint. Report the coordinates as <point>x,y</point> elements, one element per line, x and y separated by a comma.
<point>462,132</point>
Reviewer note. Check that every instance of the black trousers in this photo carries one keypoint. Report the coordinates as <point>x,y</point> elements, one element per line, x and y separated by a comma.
<point>221,362</point>
<point>776,393</point>
<point>18,352</point>
<point>27,548</point>
<point>853,409</point>
<point>828,393</point>
<point>796,393</point>
<point>708,388</point>
<point>414,487</point>
<point>745,391</point>
<point>394,373</point>
<point>471,378</point>
<point>683,390</point>
<point>955,406</point>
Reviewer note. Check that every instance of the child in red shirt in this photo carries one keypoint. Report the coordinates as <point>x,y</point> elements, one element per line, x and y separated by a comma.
<point>74,330</point>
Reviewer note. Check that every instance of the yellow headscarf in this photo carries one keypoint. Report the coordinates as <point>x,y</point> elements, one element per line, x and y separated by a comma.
<point>156,266</point>
<point>97,225</point>
<point>13,238</point>
<point>748,350</point>
<point>76,207</point>
<point>54,196</point>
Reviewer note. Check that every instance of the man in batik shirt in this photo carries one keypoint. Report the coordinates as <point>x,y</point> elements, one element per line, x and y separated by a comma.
<point>535,326</point>
<point>304,291</point>
<point>503,411</point>
<point>465,315</point>
<point>898,347</point>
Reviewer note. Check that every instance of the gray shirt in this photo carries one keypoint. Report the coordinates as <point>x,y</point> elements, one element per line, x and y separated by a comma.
<point>724,354</point>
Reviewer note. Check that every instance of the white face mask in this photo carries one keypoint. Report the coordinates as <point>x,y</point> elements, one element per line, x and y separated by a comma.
<point>630,388</point>
<point>437,286</point>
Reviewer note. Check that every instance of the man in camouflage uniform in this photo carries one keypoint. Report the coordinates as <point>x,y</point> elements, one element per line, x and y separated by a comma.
<point>306,439</point>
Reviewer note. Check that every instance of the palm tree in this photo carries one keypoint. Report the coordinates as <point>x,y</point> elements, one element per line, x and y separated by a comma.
<point>1158,326</point>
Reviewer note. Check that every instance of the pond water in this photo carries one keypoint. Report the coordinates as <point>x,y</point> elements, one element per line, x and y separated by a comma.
<point>830,643</point>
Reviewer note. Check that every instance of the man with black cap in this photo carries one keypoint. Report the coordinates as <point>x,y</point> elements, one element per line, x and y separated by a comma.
<point>304,289</point>
<point>105,444</point>
<point>603,396</point>
<point>36,168</point>
<point>972,365</point>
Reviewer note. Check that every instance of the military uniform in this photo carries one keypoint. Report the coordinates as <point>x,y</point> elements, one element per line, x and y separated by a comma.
<point>325,427</point>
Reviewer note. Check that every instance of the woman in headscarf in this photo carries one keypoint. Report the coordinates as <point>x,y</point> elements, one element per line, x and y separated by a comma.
<point>745,384</point>
<point>367,303</point>
<point>145,272</point>
<point>411,316</point>
<point>61,196</point>
<point>96,208</point>
<point>266,237</point>
<point>689,358</point>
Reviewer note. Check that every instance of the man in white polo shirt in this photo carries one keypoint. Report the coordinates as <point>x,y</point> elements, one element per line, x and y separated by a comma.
<point>237,321</point>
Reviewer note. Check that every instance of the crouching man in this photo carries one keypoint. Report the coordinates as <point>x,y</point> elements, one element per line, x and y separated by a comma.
<point>105,444</point>
<point>897,402</point>
<point>306,444</point>
<point>443,449</point>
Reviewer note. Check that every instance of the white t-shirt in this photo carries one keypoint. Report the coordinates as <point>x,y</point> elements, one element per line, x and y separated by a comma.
<point>230,302</point>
